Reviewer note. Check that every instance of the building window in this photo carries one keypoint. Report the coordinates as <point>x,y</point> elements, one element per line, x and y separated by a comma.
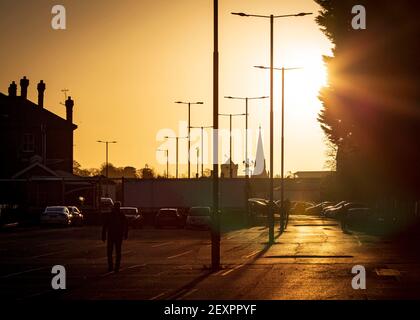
<point>28,143</point>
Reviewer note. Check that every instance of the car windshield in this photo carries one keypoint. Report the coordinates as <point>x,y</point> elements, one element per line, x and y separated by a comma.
<point>199,212</point>
<point>168,213</point>
<point>106,202</point>
<point>55,209</point>
<point>129,211</point>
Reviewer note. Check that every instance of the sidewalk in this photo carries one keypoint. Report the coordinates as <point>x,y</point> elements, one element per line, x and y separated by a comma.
<point>313,260</point>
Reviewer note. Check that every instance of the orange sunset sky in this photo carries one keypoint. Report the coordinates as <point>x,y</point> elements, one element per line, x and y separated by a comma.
<point>125,63</point>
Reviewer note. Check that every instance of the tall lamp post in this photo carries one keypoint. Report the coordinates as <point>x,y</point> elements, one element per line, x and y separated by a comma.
<point>177,143</point>
<point>246,142</point>
<point>282,213</point>
<point>202,146</point>
<point>230,115</point>
<point>167,161</point>
<point>106,162</point>
<point>189,135</point>
<point>271,17</point>
<point>215,229</point>
<point>198,157</point>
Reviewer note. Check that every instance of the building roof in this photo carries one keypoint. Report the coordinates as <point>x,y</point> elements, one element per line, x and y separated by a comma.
<point>9,106</point>
<point>37,167</point>
<point>312,174</point>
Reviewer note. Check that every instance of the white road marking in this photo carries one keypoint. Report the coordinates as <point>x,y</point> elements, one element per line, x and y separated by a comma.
<point>158,296</point>
<point>179,255</point>
<point>231,270</point>
<point>22,272</point>
<point>135,266</point>
<point>161,244</point>
<point>186,294</point>
<point>46,254</point>
<point>254,253</point>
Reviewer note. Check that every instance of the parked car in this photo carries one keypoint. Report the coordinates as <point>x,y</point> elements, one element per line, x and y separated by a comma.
<point>106,205</point>
<point>257,211</point>
<point>317,209</point>
<point>298,207</point>
<point>168,217</point>
<point>134,218</point>
<point>339,211</point>
<point>56,215</point>
<point>330,211</point>
<point>199,217</point>
<point>76,216</point>
<point>358,218</point>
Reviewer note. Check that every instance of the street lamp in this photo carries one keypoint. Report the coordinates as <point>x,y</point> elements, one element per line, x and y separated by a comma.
<point>246,126</point>
<point>198,156</point>
<point>271,17</point>
<point>282,215</point>
<point>106,161</point>
<point>215,221</point>
<point>189,125</point>
<point>177,142</point>
<point>202,146</point>
<point>230,115</point>
<point>167,161</point>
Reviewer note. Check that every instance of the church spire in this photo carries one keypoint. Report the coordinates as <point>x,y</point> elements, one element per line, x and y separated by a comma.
<point>259,166</point>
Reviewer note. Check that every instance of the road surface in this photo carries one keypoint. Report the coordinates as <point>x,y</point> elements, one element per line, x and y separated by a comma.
<point>312,260</point>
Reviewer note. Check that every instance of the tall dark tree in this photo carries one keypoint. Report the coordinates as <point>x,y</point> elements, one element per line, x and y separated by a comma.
<point>371,108</point>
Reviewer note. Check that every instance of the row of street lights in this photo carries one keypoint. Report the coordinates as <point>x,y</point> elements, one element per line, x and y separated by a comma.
<point>215,234</point>
<point>271,68</point>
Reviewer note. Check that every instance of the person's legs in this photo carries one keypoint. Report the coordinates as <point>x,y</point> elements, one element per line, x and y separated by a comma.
<point>118,245</point>
<point>109,249</point>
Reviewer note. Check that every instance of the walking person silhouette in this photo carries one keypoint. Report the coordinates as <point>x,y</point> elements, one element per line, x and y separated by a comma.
<point>114,230</point>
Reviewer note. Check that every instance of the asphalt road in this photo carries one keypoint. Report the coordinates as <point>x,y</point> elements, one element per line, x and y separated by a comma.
<point>312,260</point>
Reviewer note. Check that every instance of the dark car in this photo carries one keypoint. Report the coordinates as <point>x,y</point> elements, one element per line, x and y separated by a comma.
<point>299,207</point>
<point>257,210</point>
<point>317,209</point>
<point>332,211</point>
<point>358,219</point>
<point>76,216</point>
<point>169,217</point>
<point>134,218</point>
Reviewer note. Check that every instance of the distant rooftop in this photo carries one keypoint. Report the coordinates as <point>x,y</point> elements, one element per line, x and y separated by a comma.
<point>312,174</point>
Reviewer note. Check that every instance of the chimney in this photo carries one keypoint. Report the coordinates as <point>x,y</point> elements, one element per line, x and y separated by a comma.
<point>13,89</point>
<point>41,89</point>
<point>69,109</point>
<point>24,84</point>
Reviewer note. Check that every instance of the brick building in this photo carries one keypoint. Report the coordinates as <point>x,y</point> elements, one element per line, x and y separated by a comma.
<point>32,138</point>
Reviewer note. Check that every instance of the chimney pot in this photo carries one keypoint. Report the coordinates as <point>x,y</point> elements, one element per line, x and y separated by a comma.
<point>24,84</point>
<point>13,89</point>
<point>69,109</point>
<point>41,89</point>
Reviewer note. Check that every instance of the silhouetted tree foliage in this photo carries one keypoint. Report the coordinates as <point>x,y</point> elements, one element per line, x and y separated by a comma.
<point>118,172</point>
<point>113,172</point>
<point>147,172</point>
<point>78,171</point>
<point>371,108</point>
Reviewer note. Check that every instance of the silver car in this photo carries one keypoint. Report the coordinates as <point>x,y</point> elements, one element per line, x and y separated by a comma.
<point>199,217</point>
<point>57,215</point>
